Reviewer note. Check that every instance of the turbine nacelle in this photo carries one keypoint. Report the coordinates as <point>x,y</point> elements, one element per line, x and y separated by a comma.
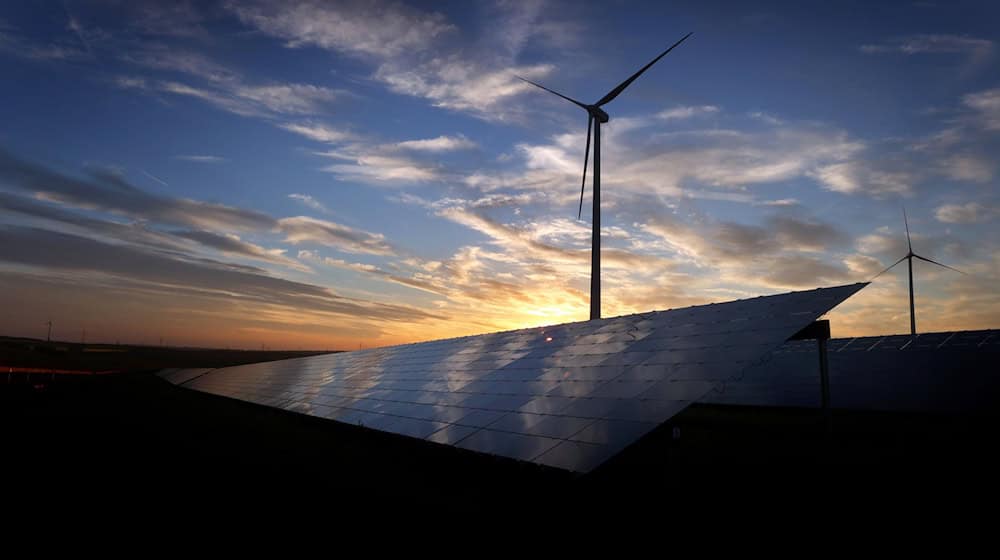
<point>598,113</point>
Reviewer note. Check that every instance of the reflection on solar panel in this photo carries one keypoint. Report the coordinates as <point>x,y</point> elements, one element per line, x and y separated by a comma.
<point>569,396</point>
<point>952,372</point>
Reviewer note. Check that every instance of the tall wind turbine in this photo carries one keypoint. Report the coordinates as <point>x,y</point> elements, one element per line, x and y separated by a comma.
<point>910,255</point>
<point>596,116</point>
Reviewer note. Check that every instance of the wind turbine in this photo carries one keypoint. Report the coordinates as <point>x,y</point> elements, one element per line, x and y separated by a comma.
<point>596,116</point>
<point>910,255</point>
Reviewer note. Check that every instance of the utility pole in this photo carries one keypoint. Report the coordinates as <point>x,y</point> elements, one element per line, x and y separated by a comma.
<point>48,337</point>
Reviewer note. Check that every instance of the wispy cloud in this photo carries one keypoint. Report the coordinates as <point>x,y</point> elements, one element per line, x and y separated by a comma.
<point>987,106</point>
<point>63,252</point>
<point>174,59</point>
<point>374,164</point>
<point>13,43</point>
<point>918,44</point>
<point>309,201</point>
<point>682,112</point>
<point>110,192</point>
<point>439,144</point>
<point>717,162</point>
<point>201,158</point>
<point>463,85</point>
<point>860,176</point>
<point>317,131</point>
<point>359,27</point>
<point>976,53</point>
<point>303,229</point>
<point>968,213</point>
<point>175,242</point>
<point>155,178</point>
<point>222,86</point>
<point>262,100</point>
<point>405,44</point>
<point>724,243</point>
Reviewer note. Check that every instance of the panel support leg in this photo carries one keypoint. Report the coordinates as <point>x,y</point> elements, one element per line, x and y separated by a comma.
<point>824,380</point>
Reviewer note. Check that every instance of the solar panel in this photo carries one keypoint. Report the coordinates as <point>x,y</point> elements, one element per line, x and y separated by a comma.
<point>947,372</point>
<point>179,376</point>
<point>569,396</point>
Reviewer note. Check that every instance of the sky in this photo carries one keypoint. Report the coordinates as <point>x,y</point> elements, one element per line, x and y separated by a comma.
<point>306,174</point>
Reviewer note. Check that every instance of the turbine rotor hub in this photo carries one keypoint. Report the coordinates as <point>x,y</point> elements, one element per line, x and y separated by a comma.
<point>598,113</point>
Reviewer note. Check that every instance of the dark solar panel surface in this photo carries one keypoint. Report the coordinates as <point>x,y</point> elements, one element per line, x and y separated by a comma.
<point>954,372</point>
<point>569,396</point>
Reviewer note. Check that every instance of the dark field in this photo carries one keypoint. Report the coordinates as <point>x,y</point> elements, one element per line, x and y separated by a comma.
<point>19,354</point>
<point>134,440</point>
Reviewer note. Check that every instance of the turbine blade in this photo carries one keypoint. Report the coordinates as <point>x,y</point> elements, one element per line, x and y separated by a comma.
<point>939,264</point>
<point>570,99</point>
<point>887,268</point>
<point>621,87</point>
<point>586,155</point>
<point>905,223</point>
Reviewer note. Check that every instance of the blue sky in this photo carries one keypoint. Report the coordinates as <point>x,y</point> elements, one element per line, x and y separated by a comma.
<point>336,174</point>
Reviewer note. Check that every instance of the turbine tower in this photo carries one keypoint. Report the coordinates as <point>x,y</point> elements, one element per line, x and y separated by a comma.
<point>595,117</point>
<point>910,255</point>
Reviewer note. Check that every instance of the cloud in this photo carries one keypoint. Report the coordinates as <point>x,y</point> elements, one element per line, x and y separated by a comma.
<point>859,176</point>
<point>257,101</point>
<point>138,233</point>
<point>318,132</point>
<point>535,242</point>
<point>682,112</point>
<point>303,229</point>
<point>232,245</point>
<point>424,284</point>
<point>410,52</point>
<point>133,232</point>
<point>112,193</point>
<point>863,266</point>
<point>223,87</point>
<point>288,99</point>
<point>180,18</point>
<point>724,243</point>
<point>14,44</point>
<point>374,28</point>
<point>917,44</point>
<point>201,158</point>
<point>457,83</point>
<point>987,106</point>
<point>799,271</point>
<point>375,165</point>
<point>309,201</point>
<point>640,159</point>
<point>439,144</point>
<point>517,24</point>
<point>174,59</point>
<point>965,167</point>
<point>91,259</point>
<point>969,213</point>
<point>780,202</point>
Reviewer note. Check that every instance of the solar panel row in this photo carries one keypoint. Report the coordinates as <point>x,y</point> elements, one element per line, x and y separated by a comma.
<point>950,372</point>
<point>568,396</point>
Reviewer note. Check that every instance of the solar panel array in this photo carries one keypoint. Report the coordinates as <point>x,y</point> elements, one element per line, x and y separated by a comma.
<point>568,396</point>
<point>948,372</point>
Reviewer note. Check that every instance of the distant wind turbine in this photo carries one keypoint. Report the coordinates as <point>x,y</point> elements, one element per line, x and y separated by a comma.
<point>596,116</point>
<point>910,255</point>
